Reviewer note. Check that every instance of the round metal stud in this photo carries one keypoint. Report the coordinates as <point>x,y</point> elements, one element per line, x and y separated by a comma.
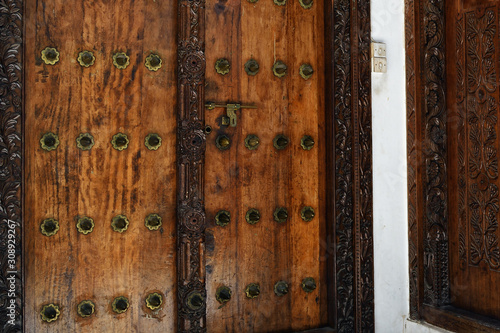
<point>85,225</point>
<point>208,129</point>
<point>280,2</point>
<point>223,142</point>
<point>195,301</point>
<point>306,71</point>
<point>280,142</point>
<point>252,290</point>
<point>252,216</point>
<point>281,214</point>
<point>120,141</point>
<point>153,222</point>
<point>50,312</point>
<point>85,141</point>
<point>222,218</point>
<point>85,309</point>
<point>252,67</point>
<point>307,142</point>
<point>281,288</point>
<point>222,66</point>
<point>49,227</point>
<point>154,301</point>
<point>50,55</point>
<point>153,141</point>
<point>307,213</point>
<point>279,67</point>
<point>252,142</point>
<point>119,223</point>
<point>306,3</point>
<point>223,294</point>
<point>121,60</point>
<point>253,1</point>
<point>153,62</point>
<point>308,284</point>
<point>120,304</point>
<point>86,58</point>
<point>49,141</point>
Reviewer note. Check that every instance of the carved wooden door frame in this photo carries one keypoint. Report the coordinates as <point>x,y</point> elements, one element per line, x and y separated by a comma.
<point>349,159</point>
<point>427,172</point>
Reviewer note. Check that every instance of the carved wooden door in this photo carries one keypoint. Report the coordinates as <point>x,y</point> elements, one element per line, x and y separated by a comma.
<point>115,218</point>
<point>473,73</point>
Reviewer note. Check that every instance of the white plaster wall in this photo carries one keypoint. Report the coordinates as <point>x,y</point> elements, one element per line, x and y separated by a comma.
<point>389,176</point>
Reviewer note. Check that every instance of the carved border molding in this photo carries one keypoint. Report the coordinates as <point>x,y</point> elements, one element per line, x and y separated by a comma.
<point>11,27</point>
<point>353,167</point>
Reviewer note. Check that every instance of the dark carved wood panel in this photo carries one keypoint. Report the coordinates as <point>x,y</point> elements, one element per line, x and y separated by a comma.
<point>452,110</point>
<point>11,227</point>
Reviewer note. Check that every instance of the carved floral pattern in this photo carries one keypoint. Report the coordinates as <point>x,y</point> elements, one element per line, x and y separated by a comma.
<point>482,118</point>
<point>10,157</point>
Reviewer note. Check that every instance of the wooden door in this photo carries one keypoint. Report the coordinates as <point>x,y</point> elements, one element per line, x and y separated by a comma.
<point>76,96</point>
<point>147,208</point>
<point>273,166</point>
<point>473,72</point>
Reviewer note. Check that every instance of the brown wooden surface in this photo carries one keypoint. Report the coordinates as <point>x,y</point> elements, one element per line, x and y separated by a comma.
<point>459,321</point>
<point>68,99</point>
<point>239,179</point>
<point>473,72</point>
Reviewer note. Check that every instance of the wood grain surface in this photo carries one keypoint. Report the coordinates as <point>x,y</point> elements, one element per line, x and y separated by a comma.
<point>68,99</point>
<point>239,179</point>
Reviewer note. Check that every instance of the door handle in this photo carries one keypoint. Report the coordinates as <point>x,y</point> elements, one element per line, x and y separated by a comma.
<point>231,118</point>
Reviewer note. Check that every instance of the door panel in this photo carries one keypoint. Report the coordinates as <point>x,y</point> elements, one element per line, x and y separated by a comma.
<point>473,98</point>
<point>67,183</point>
<point>239,179</point>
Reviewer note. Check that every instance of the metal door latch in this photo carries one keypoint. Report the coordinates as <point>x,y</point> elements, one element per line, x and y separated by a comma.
<point>231,118</point>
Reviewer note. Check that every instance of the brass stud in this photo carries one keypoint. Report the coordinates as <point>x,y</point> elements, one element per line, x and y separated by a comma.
<point>252,142</point>
<point>223,142</point>
<point>281,214</point>
<point>153,222</point>
<point>119,223</point>
<point>208,129</point>
<point>120,141</point>
<point>85,309</point>
<point>306,71</point>
<point>50,312</point>
<point>279,67</point>
<point>120,304</point>
<point>121,60</point>
<point>252,67</point>
<point>85,141</point>
<point>223,294</point>
<point>280,2</point>
<point>85,225</point>
<point>308,284</point>
<point>195,301</point>
<point>252,290</point>
<point>252,216</point>
<point>153,141</point>
<point>307,213</point>
<point>307,142</point>
<point>153,62</point>
<point>49,227</point>
<point>280,142</point>
<point>50,55</point>
<point>222,66</point>
<point>222,218</point>
<point>154,301</point>
<point>49,141</point>
<point>86,58</point>
<point>306,3</point>
<point>281,288</point>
